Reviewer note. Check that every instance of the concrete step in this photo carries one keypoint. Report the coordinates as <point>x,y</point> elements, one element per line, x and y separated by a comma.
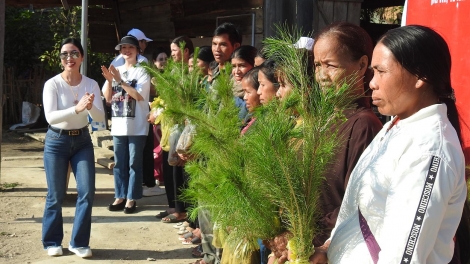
<point>104,157</point>
<point>39,136</point>
<point>102,139</point>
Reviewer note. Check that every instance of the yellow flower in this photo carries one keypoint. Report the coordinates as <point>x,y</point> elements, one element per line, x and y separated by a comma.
<point>157,103</point>
<point>292,250</point>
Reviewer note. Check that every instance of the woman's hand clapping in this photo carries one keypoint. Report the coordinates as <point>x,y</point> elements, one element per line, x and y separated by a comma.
<point>111,73</point>
<point>86,102</point>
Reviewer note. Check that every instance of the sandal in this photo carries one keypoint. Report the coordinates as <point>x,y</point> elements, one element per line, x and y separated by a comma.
<point>162,214</point>
<point>181,224</point>
<point>187,241</point>
<point>171,218</point>
<point>182,232</point>
<point>197,252</point>
<point>196,241</point>
<point>178,225</point>
<point>186,236</point>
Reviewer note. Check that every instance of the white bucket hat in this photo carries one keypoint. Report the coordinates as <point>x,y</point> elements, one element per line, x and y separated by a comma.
<point>138,34</point>
<point>304,43</point>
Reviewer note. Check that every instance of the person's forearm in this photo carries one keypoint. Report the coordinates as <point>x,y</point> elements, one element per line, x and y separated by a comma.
<point>132,91</point>
<point>96,112</point>
<point>59,116</point>
<point>107,92</point>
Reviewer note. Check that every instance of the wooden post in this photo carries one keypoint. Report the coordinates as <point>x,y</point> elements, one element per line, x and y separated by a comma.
<point>117,20</point>
<point>290,12</point>
<point>84,36</point>
<point>65,4</point>
<point>277,12</point>
<point>2,46</point>
<point>326,12</point>
<point>305,16</point>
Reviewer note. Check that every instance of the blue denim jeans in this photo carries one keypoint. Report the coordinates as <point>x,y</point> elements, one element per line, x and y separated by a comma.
<point>128,166</point>
<point>60,149</point>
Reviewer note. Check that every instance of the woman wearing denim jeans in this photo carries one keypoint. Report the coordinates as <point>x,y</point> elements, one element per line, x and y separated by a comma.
<point>68,99</point>
<point>127,89</point>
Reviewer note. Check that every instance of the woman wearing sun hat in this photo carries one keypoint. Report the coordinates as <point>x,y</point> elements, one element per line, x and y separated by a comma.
<point>127,90</point>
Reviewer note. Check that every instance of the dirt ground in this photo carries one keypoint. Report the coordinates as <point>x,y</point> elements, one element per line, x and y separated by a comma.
<point>115,236</point>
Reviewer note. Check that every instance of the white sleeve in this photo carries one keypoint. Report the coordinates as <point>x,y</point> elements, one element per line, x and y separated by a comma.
<point>50,98</point>
<point>96,112</point>
<point>105,87</point>
<point>142,58</point>
<point>423,209</point>
<point>118,61</point>
<point>143,84</point>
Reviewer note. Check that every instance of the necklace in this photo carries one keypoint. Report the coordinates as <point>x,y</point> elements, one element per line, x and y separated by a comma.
<point>75,95</point>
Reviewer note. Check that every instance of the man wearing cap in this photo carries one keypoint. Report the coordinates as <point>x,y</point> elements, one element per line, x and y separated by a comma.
<point>119,60</point>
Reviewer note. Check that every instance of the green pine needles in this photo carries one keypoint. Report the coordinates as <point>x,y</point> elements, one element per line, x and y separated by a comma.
<point>267,181</point>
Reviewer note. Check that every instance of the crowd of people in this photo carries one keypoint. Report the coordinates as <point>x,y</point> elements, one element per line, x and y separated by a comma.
<point>395,193</point>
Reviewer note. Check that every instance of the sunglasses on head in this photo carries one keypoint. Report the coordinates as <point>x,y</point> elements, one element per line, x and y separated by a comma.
<point>73,54</point>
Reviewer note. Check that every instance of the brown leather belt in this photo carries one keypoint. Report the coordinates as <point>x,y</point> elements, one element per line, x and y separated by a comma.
<point>71,132</point>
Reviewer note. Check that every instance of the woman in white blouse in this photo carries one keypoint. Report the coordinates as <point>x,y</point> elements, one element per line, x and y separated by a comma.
<point>405,197</point>
<point>68,99</point>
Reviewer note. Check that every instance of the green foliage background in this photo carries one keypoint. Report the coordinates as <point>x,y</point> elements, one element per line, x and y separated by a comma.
<point>26,37</point>
<point>32,37</point>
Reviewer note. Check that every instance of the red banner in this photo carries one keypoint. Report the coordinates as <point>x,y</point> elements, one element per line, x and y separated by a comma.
<point>451,18</point>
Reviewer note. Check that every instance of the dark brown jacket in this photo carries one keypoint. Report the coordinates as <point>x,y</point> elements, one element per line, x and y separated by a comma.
<point>356,133</point>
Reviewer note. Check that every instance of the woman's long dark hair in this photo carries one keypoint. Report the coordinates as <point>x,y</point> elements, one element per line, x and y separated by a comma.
<point>157,52</point>
<point>188,43</point>
<point>252,77</point>
<point>425,54</point>
<point>268,68</point>
<point>246,53</point>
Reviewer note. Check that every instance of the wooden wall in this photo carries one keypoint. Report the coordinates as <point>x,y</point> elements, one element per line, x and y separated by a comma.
<point>320,14</point>
<point>38,4</point>
<point>102,29</point>
<point>107,26</point>
<point>330,11</point>
<point>163,20</point>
